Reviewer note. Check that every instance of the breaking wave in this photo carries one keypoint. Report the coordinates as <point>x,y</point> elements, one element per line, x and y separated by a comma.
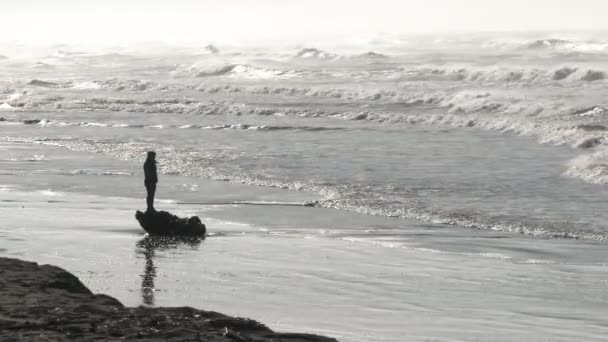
<point>99,173</point>
<point>34,158</point>
<point>237,126</point>
<point>563,45</point>
<point>313,53</point>
<point>244,71</point>
<point>552,45</point>
<point>592,168</point>
<point>40,83</point>
<point>373,55</point>
<point>506,74</point>
<point>551,122</point>
<point>361,199</point>
<point>454,73</point>
<point>473,110</point>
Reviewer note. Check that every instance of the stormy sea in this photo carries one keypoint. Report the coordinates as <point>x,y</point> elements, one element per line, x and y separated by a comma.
<point>387,189</point>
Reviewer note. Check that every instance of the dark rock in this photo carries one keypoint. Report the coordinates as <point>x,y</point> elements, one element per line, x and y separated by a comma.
<point>74,313</point>
<point>64,281</point>
<point>167,224</point>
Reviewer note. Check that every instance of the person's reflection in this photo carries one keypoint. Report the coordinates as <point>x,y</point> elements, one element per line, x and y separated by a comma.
<point>147,283</point>
<point>148,247</point>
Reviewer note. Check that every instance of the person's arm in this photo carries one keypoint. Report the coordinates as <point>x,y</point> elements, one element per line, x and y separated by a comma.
<point>155,174</point>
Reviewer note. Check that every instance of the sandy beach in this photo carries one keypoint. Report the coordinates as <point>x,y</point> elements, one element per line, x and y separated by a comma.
<point>314,270</point>
<point>371,188</point>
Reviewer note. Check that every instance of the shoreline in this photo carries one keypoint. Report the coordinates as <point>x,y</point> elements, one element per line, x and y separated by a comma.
<point>45,302</point>
<point>351,276</point>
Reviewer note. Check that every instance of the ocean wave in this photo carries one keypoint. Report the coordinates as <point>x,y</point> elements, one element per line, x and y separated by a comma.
<point>92,85</point>
<point>313,53</point>
<point>593,75</point>
<point>480,222</point>
<point>126,85</point>
<point>563,73</point>
<point>236,126</point>
<point>556,123</point>
<point>267,127</point>
<point>43,66</point>
<point>372,55</point>
<point>564,45</point>
<point>198,71</point>
<point>343,197</point>
<point>548,43</point>
<point>250,72</point>
<point>592,168</point>
<point>34,158</point>
<point>400,93</point>
<point>99,173</point>
<point>46,84</point>
<point>244,71</point>
<point>61,53</point>
<point>455,73</point>
<point>593,111</point>
<point>505,74</point>
<point>212,49</point>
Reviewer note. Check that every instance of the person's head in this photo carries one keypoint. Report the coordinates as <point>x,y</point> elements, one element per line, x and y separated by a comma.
<point>151,155</point>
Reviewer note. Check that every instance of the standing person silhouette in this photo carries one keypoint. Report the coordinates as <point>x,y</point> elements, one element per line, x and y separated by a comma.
<point>151,178</point>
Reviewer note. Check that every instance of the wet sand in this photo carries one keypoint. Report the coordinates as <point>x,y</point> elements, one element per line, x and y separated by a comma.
<point>349,276</point>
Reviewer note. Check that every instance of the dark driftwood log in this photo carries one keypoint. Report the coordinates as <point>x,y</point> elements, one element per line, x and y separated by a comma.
<point>167,224</point>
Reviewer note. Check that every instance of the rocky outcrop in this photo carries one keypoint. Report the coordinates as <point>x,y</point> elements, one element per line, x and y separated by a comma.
<point>166,224</point>
<point>47,303</point>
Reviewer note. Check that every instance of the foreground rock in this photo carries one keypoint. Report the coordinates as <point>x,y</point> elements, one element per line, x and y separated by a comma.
<point>166,224</point>
<point>46,303</point>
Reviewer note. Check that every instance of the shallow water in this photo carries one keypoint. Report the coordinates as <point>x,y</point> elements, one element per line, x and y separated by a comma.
<point>352,276</point>
<point>450,192</point>
<point>466,177</point>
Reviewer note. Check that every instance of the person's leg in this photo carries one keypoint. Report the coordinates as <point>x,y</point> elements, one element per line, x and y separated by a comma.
<point>150,189</point>
<point>152,193</point>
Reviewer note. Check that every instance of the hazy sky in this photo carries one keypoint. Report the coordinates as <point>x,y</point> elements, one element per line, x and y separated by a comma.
<point>253,20</point>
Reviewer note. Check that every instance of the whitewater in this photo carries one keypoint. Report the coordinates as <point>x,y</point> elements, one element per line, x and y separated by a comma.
<point>413,175</point>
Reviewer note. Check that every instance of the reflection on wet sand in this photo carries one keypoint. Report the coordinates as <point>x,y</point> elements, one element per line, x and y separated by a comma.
<point>148,246</point>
